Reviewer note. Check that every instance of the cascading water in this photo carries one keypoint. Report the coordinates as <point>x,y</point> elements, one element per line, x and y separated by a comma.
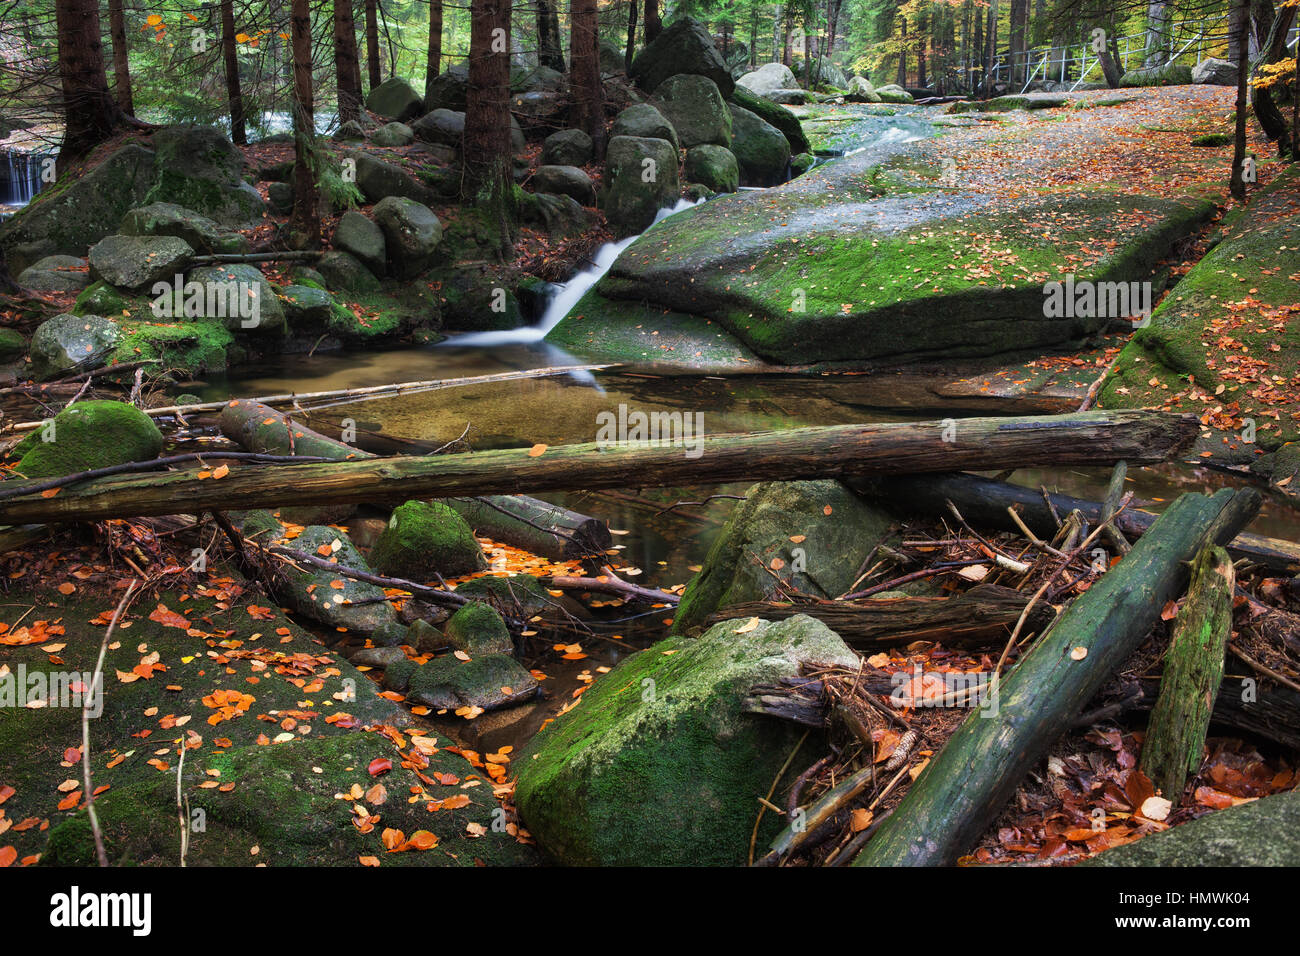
<point>20,178</point>
<point>568,295</point>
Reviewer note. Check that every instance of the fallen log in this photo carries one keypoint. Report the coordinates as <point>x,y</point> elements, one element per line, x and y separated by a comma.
<point>984,501</point>
<point>985,611</point>
<point>1190,681</point>
<point>832,451</point>
<point>537,527</point>
<point>964,787</point>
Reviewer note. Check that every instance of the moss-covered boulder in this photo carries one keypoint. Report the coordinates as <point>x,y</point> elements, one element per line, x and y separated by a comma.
<point>684,46</point>
<point>12,345</point>
<point>773,114</point>
<point>344,272</point>
<point>696,109</point>
<point>393,134</point>
<point>343,603</point>
<point>712,166</point>
<point>646,121</point>
<point>642,178</point>
<point>520,596</point>
<point>90,434</point>
<point>424,538</point>
<point>658,765</point>
<point>198,168</point>
<point>567,147</point>
<point>204,235</point>
<point>259,311</point>
<point>66,343</point>
<point>477,629</point>
<point>566,181</point>
<point>762,151</point>
<point>55,274</point>
<point>357,235</point>
<point>412,234</point>
<point>135,263</point>
<point>489,682</point>
<point>1265,832</point>
<point>79,210</point>
<point>306,307</point>
<point>893,93</point>
<point>835,531</point>
<point>1170,74</point>
<point>377,179</point>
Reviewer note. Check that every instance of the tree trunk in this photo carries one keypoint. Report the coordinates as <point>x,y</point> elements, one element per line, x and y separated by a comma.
<point>230,60</point>
<point>901,80</point>
<point>1016,40</point>
<point>840,451</point>
<point>1157,34</point>
<point>984,502</point>
<point>923,28</point>
<point>347,69</point>
<point>90,114</point>
<point>121,61</point>
<point>1112,66</point>
<point>549,51</point>
<point>991,38</point>
<point>304,225</point>
<point>584,72</point>
<point>1263,104</point>
<point>652,26</point>
<point>1190,681</point>
<point>787,55</point>
<point>1240,29</point>
<point>630,49</point>
<point>372,41</point>
<point>964,788</point>
<point>433,63</point>
<point>488,181</point>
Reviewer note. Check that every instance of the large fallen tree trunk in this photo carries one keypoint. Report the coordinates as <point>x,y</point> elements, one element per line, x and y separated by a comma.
<point>818,452</point>
<point>983,612</point>
<point>984,502</point>
<point>965,786</point>
<point>537,527</point>
<point>1191,677</point>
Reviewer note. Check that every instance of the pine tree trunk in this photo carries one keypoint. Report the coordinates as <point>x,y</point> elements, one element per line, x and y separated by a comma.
<point>121,62</point>
<point>304,226</point>
<point>372,42</point>
<point>347,70</point>
<point>234,94</point>
<point>549,51</point>
<point>91,115</point>
<point>631,33</point>
<point>487,152</point>
<point>991,38</point>
<point>433,64</point>
<point>584,73</point>
<point>652,26</point>
<point>1240,28</point>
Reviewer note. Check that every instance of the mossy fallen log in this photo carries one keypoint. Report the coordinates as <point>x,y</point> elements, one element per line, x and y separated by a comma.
<point>964,787</point>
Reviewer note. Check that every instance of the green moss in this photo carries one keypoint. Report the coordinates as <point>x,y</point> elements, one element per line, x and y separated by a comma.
<point>478,630</point>
<point>1212,139</point>
<point>424,537</point>
<point>90,434</point>
<point>100,298</point>
<point>187,348</point>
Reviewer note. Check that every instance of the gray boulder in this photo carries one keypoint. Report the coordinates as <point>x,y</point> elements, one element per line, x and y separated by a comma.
<point>393,134</point>
<point>1171,74</point>
<point>361,237</point>
<point>568,147</point>
<point>351,130</point>
<point>861,91</point>
<point>1215,72</point>
<point>696,109</point>
<point>768,77</point>
<point>377,179</point>
<point>55,274</point>
<point>489,682</point>
<point>713,166</point>
<point>773,114</point>
<point>641,174</point>
<point>762,151</point>
<point>204,235</point>
<point>355,605</point>
<point>449,90</point>
<point>259,311</point>
<point>645,121</point>
<point>442,126</point>
<point>306,306</point>
<point>137,262</point>
<point>198,168</point>
<point>395,99</point>
<point>411,235</point>
<point>893,93</point>
<point>540,79</point>
<point>68,343</point>
<point>566,181</point>
<point>684,46</point>
<point>345,273</point>
<point>793,97</point>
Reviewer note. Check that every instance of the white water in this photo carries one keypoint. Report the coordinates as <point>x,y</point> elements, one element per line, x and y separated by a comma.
<point>568,295</point>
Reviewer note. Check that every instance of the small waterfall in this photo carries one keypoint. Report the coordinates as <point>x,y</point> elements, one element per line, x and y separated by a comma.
<point>568,295</point>
<point>20,177</point>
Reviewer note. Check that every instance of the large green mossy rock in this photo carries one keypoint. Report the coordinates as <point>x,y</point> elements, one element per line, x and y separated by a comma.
<point>696,109</point>
<point>1171,74</point>
<point>762,151</point>
<point>395,99</point>
<point>1265,832</point>
<point>411,235</point>
<point>642,178</point>
<point>657,765</point>
<point>68,343</point>
<point>197,167</point>
<point>754,551</point>
<point>74,213</point>
<point>488,682</point>
<point>286,804</point>
<point>684,46</point>
<point>424,538</point>
<point>773,114</point>
<point>168,219</point>
<point>477,629</point>
<point>355,605</point>
<point>90,434</point>
<point>646,121</point>
<point>521,596</point>
<point>1248,272</point>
